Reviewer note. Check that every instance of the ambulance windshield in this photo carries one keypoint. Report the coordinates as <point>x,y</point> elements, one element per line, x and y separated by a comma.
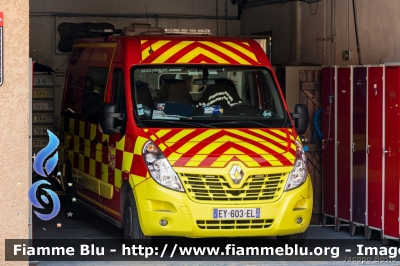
<point>205,96</point>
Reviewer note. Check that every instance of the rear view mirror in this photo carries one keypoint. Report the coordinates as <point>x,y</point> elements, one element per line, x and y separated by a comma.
<point>109,120</point>
<point>300,117</point>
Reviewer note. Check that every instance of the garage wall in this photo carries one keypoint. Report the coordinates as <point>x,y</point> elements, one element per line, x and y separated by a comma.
<point>278,19</point>
<point>377,30</point>
<point>14,124</point>
<point>301,33</point>
<point>129,7</point>
<point>46,15</point>
<point>44,36</point>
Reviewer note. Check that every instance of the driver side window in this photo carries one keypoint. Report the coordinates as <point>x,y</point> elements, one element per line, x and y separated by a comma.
<point>119,90</point>
<point>118,93</point>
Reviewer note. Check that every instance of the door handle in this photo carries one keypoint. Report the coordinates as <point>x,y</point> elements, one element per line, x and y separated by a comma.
<point>353,147</point>
<point>368,147</point>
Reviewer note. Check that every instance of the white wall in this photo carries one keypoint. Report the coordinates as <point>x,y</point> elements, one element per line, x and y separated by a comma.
<point>44,36</point>
<point>297,35</point>
<point>45,17</point>
<point>378,30</point>
<point>131,7</point>
<point>275,18</point>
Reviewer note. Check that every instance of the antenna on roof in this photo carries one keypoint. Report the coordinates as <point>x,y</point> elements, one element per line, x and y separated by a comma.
<point>148,30</point>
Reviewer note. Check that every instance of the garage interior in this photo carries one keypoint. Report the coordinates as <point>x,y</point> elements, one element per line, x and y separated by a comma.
<point>335,56</point>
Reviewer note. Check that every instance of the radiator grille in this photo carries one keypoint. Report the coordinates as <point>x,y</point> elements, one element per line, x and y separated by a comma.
<point>216,188</point>
<point>233,224</point>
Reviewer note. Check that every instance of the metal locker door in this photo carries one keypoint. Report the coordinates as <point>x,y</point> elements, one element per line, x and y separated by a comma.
<point>328,142</point>
<point>392,152</point>
<point>359,113</point>
<point>343,126</point>
<point>375,159</point>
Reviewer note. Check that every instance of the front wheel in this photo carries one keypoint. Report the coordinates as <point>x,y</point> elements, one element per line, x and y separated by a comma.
<point>131,225</point>
<point>292,240</point>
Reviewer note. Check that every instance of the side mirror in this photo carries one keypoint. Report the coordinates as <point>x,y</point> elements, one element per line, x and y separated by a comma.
<point>109,120</point>
<point>300,117</point>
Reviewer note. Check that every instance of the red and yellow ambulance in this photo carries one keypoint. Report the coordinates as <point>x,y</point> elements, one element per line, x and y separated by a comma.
<point>182,135</point>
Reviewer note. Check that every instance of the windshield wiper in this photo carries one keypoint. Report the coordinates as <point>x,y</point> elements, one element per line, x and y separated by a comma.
<point>178,123</point>
<point>240,122</point>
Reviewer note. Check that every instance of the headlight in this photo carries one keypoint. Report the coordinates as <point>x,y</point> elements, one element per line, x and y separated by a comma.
<point>299,173</point>
<point>159,167</point>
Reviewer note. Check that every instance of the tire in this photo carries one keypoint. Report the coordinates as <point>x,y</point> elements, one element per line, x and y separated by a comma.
<point>292,240</point>
<point>131,226</point>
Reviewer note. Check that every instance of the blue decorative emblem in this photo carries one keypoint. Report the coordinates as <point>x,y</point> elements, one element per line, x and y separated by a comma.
<point>49,166</point>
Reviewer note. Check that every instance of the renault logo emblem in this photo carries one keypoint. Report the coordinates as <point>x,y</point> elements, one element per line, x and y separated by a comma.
<point>236,174</point>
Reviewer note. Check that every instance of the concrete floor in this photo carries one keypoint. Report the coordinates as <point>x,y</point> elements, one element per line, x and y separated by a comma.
<point>94,227</point>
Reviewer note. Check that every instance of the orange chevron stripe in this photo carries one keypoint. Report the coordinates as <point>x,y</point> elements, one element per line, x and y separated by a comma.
<point>171,51</point>
<point>201,51</point>
<point>156,47</point>
<point>217,147</point>
<point>265,142</point>
<point>251,148</point>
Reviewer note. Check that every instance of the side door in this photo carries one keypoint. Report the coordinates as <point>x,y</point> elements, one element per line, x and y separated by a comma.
<point>113,145</point>
<point>91,157</point>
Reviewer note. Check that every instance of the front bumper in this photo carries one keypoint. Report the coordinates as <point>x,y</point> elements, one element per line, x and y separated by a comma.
<point>191,219</point>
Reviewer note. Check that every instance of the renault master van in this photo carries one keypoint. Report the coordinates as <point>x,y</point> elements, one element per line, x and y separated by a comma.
<point>182,135</point>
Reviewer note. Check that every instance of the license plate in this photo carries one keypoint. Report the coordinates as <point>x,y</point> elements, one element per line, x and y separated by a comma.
<point>236,213</point>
